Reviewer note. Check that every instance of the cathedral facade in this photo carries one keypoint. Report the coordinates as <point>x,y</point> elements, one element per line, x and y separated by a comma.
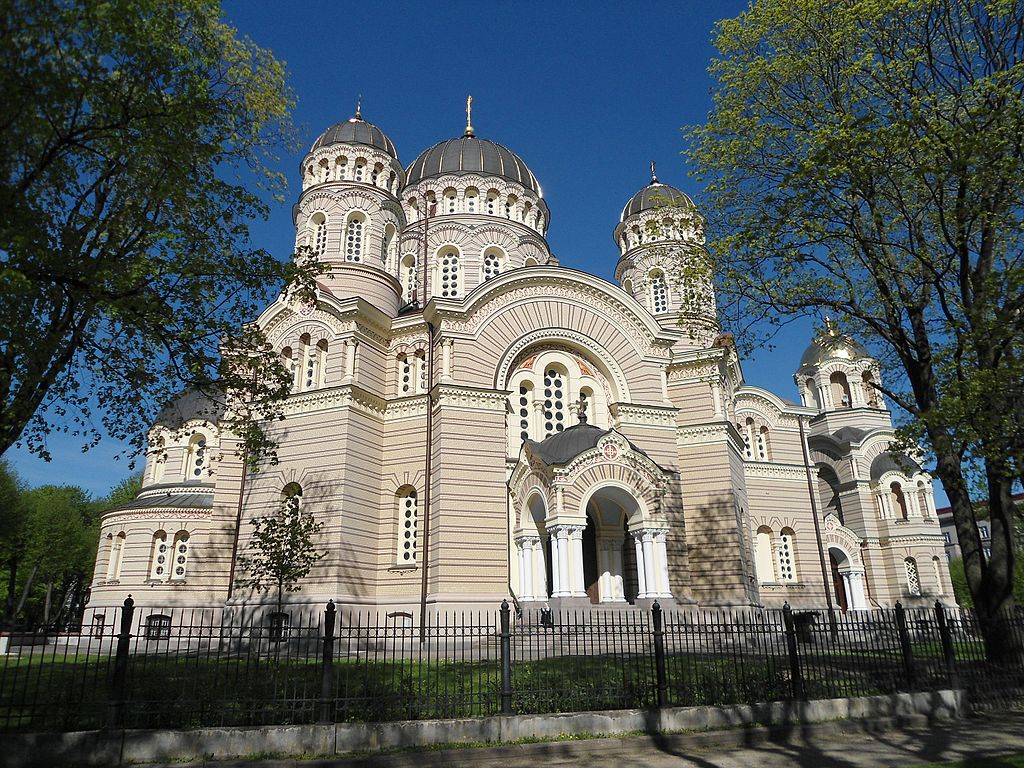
<point>471,421</point>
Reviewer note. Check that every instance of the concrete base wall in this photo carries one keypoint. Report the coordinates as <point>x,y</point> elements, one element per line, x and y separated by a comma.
<point>107,748</point>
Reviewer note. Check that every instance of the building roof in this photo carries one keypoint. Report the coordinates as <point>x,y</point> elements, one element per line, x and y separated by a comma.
<point>655,195</point>
<point>169,500</point>
<point>469,154</point>
<point>355,130</point>
<point>884,462</point>
<point>562,447</point>
<point>849,434</point>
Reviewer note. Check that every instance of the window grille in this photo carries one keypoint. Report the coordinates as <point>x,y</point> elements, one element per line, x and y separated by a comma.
<point>913,579</point>
<point>450,275</point>
<point>787,570</point>
<point>554,402</point>
<point>354,240</point>
<point>408,522</point>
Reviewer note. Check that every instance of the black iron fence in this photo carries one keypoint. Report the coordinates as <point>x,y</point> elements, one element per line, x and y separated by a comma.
<point>218,667</point>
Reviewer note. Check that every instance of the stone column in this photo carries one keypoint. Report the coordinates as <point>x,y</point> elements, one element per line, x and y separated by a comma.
<point>524,593</point>
<point>540,581</point>
<point>716,397</point>
<point>611,577</point>
<point>855,591</point>
<point>350,360</point>
<point>650,571</point>
<point>574,534</point>
<point>661,558</point>
<point>556,565</point>
<point>641,571</point>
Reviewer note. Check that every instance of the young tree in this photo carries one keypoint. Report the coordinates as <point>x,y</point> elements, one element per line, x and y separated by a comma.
<point>282,550</point>
<point>12,529</point>
<point>866,158</point>
<point>135,147</point>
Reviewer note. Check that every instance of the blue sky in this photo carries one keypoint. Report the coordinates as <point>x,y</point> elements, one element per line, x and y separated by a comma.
<point>586,93</point>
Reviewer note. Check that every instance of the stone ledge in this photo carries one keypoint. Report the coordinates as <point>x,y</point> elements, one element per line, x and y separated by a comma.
<point>108,748</point>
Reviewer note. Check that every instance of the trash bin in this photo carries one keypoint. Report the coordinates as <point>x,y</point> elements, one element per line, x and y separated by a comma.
<point>803,623</point>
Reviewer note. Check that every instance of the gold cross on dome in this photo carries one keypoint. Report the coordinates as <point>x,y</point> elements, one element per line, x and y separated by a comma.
<point>469,115</point>
<point>653,175</point>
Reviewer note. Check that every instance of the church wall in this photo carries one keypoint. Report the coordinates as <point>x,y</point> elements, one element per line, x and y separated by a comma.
<point>468,529</point>
<point>719,565</point>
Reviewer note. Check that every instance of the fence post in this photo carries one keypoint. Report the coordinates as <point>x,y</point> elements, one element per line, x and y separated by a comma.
<point>795,676</point>
<point>947,645</point>
<point>908,653</point>
<point>116,707</point>
<point>506,660</point>
<point>326,667</point>
<point>659,655</point>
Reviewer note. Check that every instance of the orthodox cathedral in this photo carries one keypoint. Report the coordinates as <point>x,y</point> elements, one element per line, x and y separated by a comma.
<point>471,422</point>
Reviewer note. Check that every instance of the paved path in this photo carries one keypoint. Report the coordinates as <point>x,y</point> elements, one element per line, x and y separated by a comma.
<point>828,745</point>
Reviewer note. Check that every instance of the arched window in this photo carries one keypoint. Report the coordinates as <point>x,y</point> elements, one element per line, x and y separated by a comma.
<point>493,258</point>
<point>319,222</point>
<point>840,390</point>
<point>408,277</point>
<point>870,393</point>
<point>786,558</point>
<point>748,438</point>
<point>900,499</point>
<point>316,356</point>
<point>375,173</point>
<point>449,273</point>
<point>471,198</point>
<point>325,171</point>
<point>659,292</point>
<point>510,204</point>
<point>525,403</point>
<point>360,171</point>
<point>813,399</point>
<point>421,371</point>
<point>763,450</point>
<point>291,498</point>
<point>354,238</point>
<point>405,383</point>
<point>530,262</point>
<point>555,389</point>
<point>937,574</point>
<point>412,210</point>
<point>408,522</point>
<point>116,555</point>
<point>451,200</point>
<point>492,203</point>
<point>763,561</point>
<point>389,243</point>
<point>160,557</point>
<point>180,555</point>
<point>340,168</point>
<point>291,365</point>
<point>922,499</point>
<point>586,398</point>
<point>197,462</point>
<point>913,578</point>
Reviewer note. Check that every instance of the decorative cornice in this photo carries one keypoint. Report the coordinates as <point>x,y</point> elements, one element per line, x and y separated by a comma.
<point>156,513</point>
<point>647,415</point>
<point>775,471</point>
<point>703,434</point>
<point>347,395</point>
<point>472,398</point>
<point>406,407</point>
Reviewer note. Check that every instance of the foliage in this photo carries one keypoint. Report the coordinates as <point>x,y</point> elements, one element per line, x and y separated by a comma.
<point>282,550</point>
<point>123,492</point>
<point>865,158</point>
<point>135,148</point>
<point>963,592</point>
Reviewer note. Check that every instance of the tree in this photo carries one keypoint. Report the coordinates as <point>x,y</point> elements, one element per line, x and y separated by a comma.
<point>12,525</point>
<point>135,146</point>
<point>865,158</point>
<point>58,550</point>
<point>282,550</point>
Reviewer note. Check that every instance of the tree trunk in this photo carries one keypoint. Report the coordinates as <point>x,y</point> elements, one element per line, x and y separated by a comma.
<point>46,606</point>
<point>12,588</point>
<point>28,586</point>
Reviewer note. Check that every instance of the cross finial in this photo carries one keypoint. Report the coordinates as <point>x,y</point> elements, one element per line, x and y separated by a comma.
<point>830,326</point>
<point>359,107</point>
<point>582,408</point>
<point>469,117</point>
<point>654,176</point>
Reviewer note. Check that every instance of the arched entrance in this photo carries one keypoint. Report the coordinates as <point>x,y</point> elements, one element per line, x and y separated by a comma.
<point>847,580</point>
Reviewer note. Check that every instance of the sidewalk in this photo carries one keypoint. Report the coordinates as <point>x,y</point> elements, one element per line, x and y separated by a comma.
<point>844,744</point>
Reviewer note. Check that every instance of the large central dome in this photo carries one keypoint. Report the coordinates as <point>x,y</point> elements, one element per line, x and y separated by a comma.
<point>468,154</point>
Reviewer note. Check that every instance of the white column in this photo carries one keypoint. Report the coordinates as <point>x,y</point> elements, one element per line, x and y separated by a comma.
<point>540,581</point>
<point>616,593</point>
<point>564,577</point>
<point>716,398</point>
<point>858,600</point>
<point>641,572</point>
<point>575,535</point>
<point>523,591</point>
<point>604,579</point>
<point>661,555</point>
<point>350,359</point>
<point>650,572</point>
<point>556,569</point>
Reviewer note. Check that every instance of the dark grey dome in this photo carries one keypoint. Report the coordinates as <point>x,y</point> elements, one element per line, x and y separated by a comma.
<point>655,195</point>
<point>355,130</point>
<point>885,462</point>
<point>468,154</point>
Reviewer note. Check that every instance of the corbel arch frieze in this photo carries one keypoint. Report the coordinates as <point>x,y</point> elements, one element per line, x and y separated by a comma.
<point>577,342</point>
<point>287,318</point>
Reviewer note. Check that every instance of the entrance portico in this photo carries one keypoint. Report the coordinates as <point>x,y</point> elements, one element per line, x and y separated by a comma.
<point>591,525</point>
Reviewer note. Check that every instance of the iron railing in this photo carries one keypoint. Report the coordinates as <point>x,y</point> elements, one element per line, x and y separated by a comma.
<point>180,668</point>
